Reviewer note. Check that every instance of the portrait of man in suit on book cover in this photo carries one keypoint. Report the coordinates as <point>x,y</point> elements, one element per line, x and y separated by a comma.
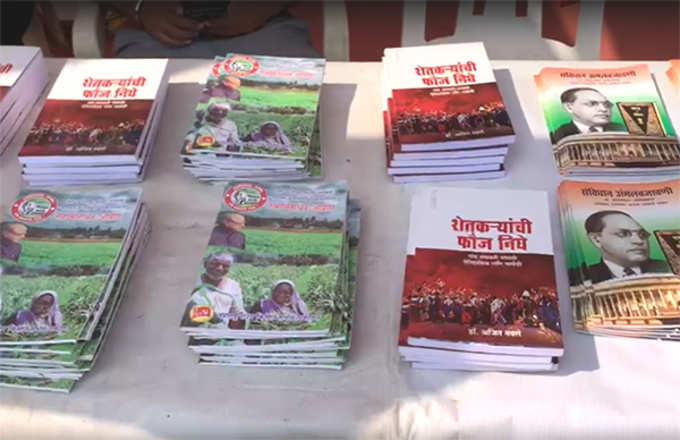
<point>590,112</point>
<point>623,245</point>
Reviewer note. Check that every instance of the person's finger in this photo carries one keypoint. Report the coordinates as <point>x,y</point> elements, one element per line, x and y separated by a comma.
<point>215,24</point>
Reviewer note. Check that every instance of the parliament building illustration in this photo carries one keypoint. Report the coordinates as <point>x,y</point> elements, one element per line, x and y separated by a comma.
<point>641,301</point>
<point>617,151</point>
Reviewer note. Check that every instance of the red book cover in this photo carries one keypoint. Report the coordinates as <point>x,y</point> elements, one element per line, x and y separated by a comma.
<point>96,107</point>
<point>445,95</point>
<point>479,270</point>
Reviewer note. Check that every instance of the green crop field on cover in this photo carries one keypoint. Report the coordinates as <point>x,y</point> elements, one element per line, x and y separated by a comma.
<point>54,253</point>
<point>315,284</point>
<point>293,243</point>
<point>296,127</point>
<point>61,384</point>
<point>279,97</point>
<point>76,297</point>
<point>268,242</point>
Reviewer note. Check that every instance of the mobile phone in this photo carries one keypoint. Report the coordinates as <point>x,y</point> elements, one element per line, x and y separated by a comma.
<point>204,10</point>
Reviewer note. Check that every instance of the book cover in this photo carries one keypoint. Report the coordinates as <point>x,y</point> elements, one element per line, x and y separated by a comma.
<point>273,260</point>
<point>606,118</point>
<point>445,94</point>
<point>13,62</point>
<point>57,253</point>
<point>80,355</point>
<point>96,107</point>
<point>480,270</point>
<point>257,105</point>
<point>621,251</point>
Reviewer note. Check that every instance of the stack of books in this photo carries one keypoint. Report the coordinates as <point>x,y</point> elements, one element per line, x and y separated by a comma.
<point>673,74</point>
<point>607,122</point>
<point>622,243</point>
<point>257,118</point>
<point>98,124</point>
<point>277,281</point>
<point>66,259</point>
<point>479,286</point>
<point>443,114</point>
<point>23,77</point>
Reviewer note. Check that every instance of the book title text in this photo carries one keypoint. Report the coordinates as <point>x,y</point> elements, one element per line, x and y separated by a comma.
<point>453,74</point>
<point>511,233</point>
<point>112,88</point>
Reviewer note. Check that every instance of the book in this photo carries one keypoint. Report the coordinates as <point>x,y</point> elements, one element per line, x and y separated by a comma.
<point>492,173</point>
<point>65,262</point>
<point>442,108</point>
<point>23,77</point>
<point>607,121</point>
<point>101,116</point>
<point>278,275</point>
<point>479,285</point>
<point>446,95</point>
<point>621,242</point>
<point>256,110</point>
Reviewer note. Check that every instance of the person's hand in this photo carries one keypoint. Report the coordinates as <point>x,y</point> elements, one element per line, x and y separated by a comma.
<point>162,20</point>
<point>243,18</point>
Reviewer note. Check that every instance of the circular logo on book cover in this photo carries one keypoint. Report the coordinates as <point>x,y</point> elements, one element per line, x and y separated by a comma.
<point>245,197</point>
<point>241,65</point>
<point>34,208</point>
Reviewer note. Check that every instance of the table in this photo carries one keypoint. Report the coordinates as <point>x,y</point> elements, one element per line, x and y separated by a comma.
<point>147,383</point>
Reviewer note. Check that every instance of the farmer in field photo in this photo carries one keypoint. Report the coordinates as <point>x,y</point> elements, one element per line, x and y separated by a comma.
<point>10,240</point>
<point>217,299</point>
<point>271,135</point>
<point>228,232</point>
<point>217,133</point>
<point>43,314</point>
<point>284,303</point>
<point>226,87</point>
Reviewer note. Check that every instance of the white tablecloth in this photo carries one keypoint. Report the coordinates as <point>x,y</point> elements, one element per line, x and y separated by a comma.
<point>147,383</point>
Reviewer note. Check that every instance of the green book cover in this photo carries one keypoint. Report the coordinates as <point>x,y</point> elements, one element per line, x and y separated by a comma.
<point>58,253</point>
<point>257,106</point>
<point>273,261</point>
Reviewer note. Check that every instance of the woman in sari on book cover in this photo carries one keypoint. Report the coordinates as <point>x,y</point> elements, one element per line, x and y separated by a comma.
<point>271,135</point>
<point>43,314</point>
<point>284,302</point>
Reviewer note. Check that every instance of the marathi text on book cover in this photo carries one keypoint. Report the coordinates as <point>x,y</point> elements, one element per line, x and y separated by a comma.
<point>480,270</point>
<point>606,118</point>
<point>56,255</point>
<point>621,250</point>
<point>96,107</point>
<point>446,95</point>
<point>257,105</point>
<point>273,259</point>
